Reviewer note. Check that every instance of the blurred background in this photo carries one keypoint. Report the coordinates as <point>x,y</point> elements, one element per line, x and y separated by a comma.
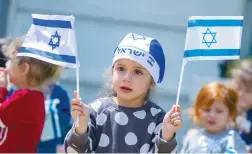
<point>100,26</point>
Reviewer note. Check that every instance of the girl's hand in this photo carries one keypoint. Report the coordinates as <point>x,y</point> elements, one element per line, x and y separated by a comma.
<point>171,123</point>
<point>80,109</point>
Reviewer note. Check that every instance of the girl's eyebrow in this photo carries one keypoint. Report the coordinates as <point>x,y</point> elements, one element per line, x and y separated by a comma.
<point>135,67</point>
<point>139,67</point>
<point>120,64</point>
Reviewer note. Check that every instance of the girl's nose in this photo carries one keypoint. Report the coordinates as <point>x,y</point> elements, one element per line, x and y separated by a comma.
<point>127,77</point>
<point>211,113</point>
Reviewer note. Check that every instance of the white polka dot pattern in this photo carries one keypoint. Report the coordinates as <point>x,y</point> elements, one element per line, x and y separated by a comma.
<point>96,105</point>
<point>157,129</point>
<point>121,118</point>
<point>151,127</point>
<point>144,148</point>
<point>104,140</point>
<point>154,111</point>
<point>102,118</point>
<point>131,138</point>
<point>140,114</point>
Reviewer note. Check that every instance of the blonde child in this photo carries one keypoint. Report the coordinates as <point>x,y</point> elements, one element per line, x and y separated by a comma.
<point>241,81</point>
<point>22,115</point>
<point>215,107</point>
<point>127,121</point>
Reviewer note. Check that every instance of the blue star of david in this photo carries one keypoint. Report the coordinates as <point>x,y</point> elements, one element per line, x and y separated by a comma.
<point>207,42</point>
<point>54,40</point>
<point>137,37</point>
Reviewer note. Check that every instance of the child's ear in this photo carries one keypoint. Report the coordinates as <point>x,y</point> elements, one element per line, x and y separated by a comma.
<point>152,84</point>
<point>25,68</point>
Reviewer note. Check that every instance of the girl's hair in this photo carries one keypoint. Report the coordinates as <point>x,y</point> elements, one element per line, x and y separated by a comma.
<point>40,72</point>
<point>215,92</point>
<point>242,76</point>
<point>108,91</point>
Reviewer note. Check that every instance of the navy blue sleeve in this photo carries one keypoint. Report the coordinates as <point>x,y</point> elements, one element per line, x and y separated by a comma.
<point>63,111</point>
<point>247,137</point>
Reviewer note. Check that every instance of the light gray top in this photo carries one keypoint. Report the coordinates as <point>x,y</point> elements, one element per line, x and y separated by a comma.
<point>200,141</point>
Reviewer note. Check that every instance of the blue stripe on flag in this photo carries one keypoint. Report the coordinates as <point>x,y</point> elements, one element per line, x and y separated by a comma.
<point>211,52</point>
<point>214,23</point>
<point>52,23</point>
<point>49,55</point>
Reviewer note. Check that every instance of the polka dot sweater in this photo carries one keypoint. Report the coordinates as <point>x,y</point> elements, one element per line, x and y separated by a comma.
<point>116,129</point>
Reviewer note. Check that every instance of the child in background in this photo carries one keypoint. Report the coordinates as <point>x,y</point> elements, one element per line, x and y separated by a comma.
<point>127,121</point>
<point>241,81</point>
<point>57,119</point>
<point>214,109</point>
<point>22,115</point>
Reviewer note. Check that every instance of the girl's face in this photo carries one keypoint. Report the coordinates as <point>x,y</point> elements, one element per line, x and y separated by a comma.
<point>131,82</point>
<point>16,74</point>
<point>215,118</point>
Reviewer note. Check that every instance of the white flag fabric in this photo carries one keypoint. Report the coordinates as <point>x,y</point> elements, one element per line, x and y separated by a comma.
<point>51,38</point>
<point>213,38</point>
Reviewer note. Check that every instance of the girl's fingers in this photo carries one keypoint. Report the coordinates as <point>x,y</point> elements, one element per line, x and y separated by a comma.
<point>178,123</point>
<point>76,102</point>
<point>177,108</point>
<point>82,108</point>
<point>176,114</point>
<point>76,113</point>
<point>75,95</point>
<point>175,118</point>
<point>79,108</point>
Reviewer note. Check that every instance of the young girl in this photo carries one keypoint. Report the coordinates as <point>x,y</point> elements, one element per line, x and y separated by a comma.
<point>127,121</point>
<point>214,109</point>
<point>22,115</point>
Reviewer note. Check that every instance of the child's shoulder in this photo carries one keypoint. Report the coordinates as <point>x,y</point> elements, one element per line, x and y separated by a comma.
<point>57,87</point>
<point>156,106</point>
<point>27,92</point>
<point>27,96</point>
<point>155,110</point>
<point>192,132</point>
<point>240,144</point>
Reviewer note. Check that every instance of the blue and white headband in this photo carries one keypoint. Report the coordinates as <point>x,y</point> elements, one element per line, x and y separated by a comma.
<point>144,50</point>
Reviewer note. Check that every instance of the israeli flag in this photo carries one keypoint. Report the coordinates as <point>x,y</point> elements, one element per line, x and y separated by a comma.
<point>213,38</point>
<point>51,38</point>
